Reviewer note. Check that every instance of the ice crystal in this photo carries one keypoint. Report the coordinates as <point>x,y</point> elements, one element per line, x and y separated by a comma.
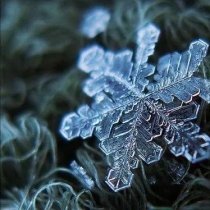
<point>130,110</point>
<point>176,170</point>
<point>81,175</point>
<point>95,21</point>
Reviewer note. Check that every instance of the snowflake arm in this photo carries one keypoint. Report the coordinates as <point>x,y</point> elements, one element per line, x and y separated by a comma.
<point>175,75</point>
<point>147,37</point>
<point>80,123</point>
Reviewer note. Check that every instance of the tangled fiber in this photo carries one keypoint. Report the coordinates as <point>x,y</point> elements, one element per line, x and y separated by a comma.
<point>40,43</point>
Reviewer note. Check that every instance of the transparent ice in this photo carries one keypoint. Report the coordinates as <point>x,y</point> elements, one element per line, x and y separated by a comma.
<point>81,175</point>
<point>128,111</point>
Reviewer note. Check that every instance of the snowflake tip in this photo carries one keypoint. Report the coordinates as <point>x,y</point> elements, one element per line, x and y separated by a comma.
<point>117,184</point>
<point>67,124</point>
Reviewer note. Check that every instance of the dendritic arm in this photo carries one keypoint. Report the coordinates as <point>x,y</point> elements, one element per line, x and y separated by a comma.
<point>127,143</point>
<point>179,132</point>
<point>175,75</point>
<point>147,37</point>
<point>120,176</point>
<point>81,123</point>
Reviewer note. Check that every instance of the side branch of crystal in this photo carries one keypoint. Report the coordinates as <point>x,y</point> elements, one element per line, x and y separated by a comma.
<point>147,36</point>
<point>175,75</point>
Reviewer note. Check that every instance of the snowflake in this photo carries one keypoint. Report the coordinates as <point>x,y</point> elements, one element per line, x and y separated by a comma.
<point>130,110</point>
<point>80,173</point>
<point>91,26</point>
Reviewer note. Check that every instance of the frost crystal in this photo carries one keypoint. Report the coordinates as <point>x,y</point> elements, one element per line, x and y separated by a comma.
<point>95,21</point>
<point>81,175</point>
<point>176,170</point>
<point>128,112</point>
